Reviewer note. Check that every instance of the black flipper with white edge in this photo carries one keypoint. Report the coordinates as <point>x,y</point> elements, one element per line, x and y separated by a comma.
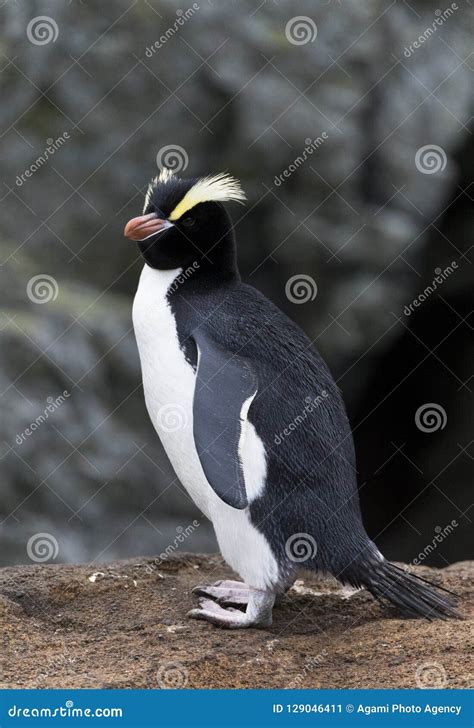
<point>225,382</point>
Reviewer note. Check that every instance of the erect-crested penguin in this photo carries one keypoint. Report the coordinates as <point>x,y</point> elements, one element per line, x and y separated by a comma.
<point>236,374</point>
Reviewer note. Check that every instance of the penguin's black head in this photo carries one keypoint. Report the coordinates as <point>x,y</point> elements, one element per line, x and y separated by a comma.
<point>183,219</point>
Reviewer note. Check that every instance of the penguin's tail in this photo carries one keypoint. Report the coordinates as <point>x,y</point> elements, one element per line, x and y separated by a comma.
<point>413,595</point>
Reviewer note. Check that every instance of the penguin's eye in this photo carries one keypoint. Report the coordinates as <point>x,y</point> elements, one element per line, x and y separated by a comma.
<point>188,221</point>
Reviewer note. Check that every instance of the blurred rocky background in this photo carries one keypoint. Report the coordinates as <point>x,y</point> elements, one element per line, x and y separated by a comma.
<point>373,211</point>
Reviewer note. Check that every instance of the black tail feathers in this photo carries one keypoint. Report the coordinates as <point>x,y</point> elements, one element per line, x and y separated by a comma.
<point>414,596</point>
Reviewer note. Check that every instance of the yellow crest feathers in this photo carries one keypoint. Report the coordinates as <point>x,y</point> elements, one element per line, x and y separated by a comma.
<point>220,187</point>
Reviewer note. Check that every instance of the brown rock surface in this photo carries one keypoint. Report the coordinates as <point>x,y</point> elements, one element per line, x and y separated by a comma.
<point>124,625</point>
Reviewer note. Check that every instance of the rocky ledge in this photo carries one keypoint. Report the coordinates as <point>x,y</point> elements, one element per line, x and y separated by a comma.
<point>124,625</point>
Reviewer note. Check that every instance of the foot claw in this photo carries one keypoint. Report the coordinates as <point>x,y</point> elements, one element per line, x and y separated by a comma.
<point>212,612</point>
<point>225,592</point>
<point>230,618</point>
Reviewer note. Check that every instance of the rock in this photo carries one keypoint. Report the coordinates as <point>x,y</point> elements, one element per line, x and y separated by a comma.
<point>10,608</point>
<point>97,634</point>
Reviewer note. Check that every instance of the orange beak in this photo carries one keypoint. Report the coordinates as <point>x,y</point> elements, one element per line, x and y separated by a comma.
<point>140,228</point>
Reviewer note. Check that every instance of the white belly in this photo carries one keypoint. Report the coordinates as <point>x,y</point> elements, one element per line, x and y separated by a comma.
<point>168,382</point>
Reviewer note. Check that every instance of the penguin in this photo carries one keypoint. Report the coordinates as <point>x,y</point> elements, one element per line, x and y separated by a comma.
<point>249,416</point>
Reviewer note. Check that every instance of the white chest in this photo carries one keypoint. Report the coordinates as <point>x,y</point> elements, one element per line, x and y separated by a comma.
<point>169,382</point>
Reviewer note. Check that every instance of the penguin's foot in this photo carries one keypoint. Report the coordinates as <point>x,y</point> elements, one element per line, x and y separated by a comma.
<point>226,592</point>
<point>257,614</point>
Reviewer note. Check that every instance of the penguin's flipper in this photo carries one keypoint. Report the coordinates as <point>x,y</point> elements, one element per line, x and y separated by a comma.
<point>225,387</point>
